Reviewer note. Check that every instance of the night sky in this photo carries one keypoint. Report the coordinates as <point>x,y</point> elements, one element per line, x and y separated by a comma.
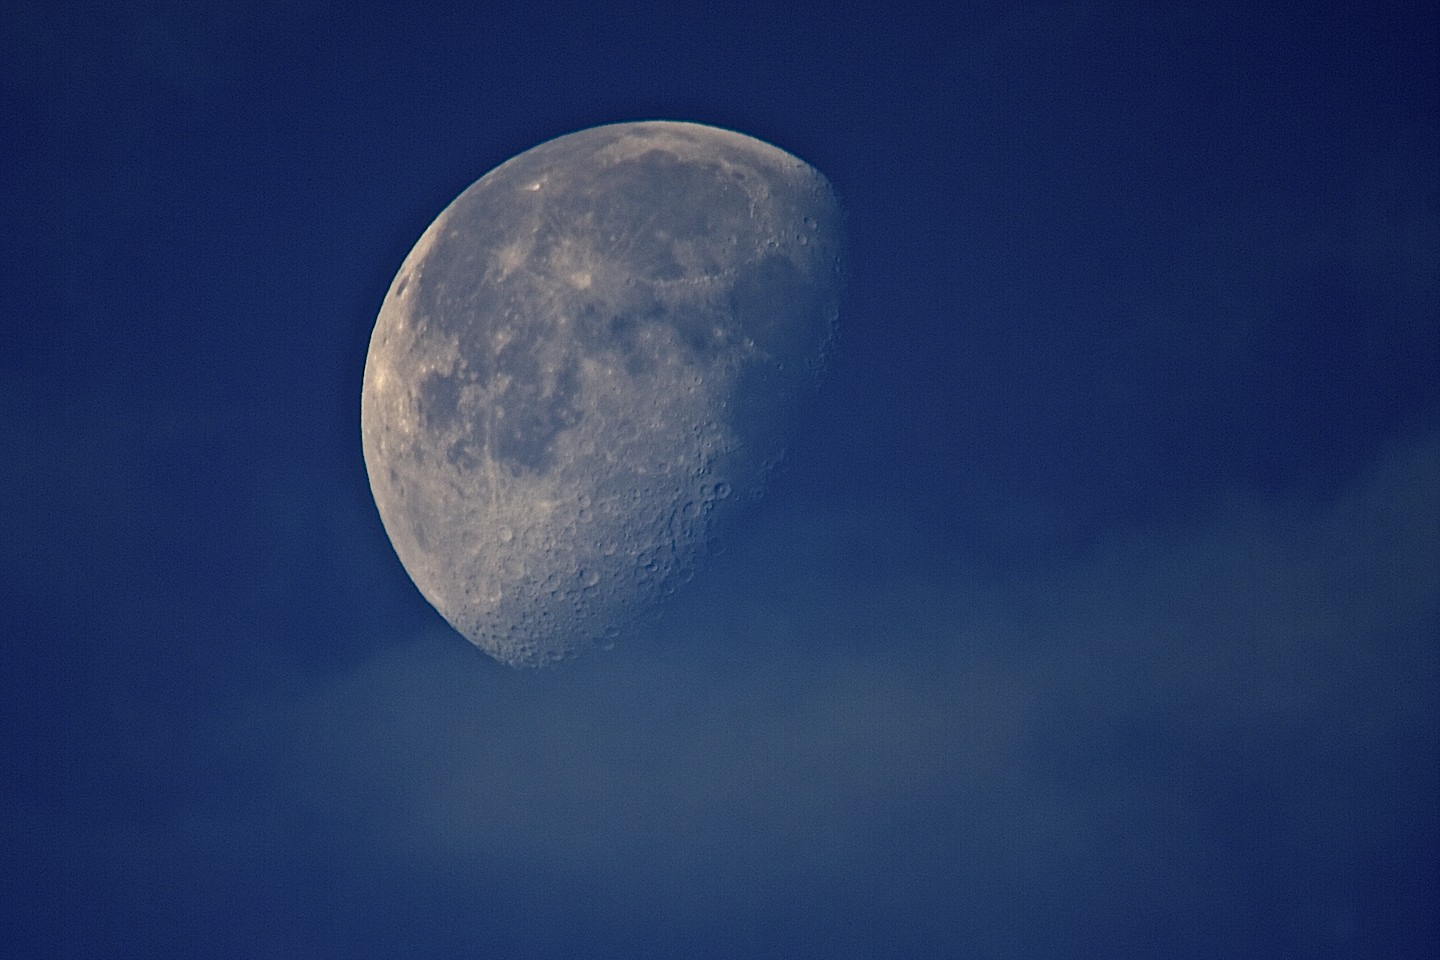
<point>1094,614</point>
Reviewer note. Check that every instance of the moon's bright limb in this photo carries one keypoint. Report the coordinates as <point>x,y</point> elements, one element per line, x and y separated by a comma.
<point>585,362</point>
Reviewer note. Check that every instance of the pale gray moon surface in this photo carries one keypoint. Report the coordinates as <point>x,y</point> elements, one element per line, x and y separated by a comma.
<point>585,364</point>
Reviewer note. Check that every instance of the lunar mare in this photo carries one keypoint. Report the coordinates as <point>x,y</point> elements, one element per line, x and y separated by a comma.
<point>585,364</point>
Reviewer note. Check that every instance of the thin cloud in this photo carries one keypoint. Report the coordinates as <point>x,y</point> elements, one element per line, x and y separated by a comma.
<point>1064,733</point>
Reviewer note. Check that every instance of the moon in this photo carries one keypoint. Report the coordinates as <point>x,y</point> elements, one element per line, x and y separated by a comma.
<point>586,366</point>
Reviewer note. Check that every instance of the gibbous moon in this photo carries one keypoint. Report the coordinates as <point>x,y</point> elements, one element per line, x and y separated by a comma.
<point>585,365</point>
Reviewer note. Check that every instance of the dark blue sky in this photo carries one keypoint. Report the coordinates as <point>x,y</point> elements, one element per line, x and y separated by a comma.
<point>1096,612</point>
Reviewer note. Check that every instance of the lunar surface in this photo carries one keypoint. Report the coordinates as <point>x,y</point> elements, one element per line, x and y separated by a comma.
<point>585,365</point>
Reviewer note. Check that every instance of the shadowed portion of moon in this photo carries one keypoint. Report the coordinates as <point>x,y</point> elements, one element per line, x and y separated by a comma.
<point>585,364</point>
